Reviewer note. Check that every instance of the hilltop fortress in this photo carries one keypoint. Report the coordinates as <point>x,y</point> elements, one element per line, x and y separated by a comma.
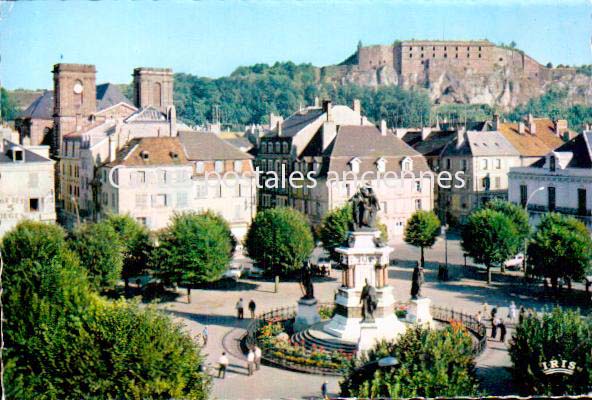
<point>458,71</point>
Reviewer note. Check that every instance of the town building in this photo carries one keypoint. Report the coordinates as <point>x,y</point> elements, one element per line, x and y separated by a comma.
<point>343,151</point>
<point>27,182</point>
<point>561,181</point>
<point>152,178</point>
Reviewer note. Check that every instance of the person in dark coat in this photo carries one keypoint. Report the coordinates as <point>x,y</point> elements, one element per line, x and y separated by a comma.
<point>503,331</point>
<point>252,307</point>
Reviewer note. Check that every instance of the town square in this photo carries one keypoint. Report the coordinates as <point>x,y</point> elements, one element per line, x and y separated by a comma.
<point>295,200</point>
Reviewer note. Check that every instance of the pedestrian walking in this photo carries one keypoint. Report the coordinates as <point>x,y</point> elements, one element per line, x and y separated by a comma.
<point>325,390</point>
<point>204,335</point>
<point>521,314</point>
<point>493,312</point>
<point>258,356</point>
<point>222,365</point>
<point>494,326</point>
<point>503,331</point>
<point>251,361</point>
<point>479,317</point>
<point>240,309</point>
<point>512,311</point>
<point>252,307</point>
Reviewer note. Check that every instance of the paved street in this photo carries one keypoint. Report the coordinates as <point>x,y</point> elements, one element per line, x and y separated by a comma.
<point>214,307</point>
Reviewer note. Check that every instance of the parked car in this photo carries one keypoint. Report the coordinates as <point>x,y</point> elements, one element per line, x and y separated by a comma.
<point>255,271</point>
<point>515,262</point>
<point>234,272</point>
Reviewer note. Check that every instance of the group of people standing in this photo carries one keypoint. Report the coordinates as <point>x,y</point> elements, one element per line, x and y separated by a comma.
<point>240,308</point>
<point>253,362</point>
<point>499,324</point>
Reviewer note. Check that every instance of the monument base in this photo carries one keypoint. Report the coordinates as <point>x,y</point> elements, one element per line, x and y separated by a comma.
<point>369,336</point>
<point>307,314</point>
<point>419,312</point>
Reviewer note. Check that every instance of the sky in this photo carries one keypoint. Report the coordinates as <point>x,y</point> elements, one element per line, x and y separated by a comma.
<point>212,38</point>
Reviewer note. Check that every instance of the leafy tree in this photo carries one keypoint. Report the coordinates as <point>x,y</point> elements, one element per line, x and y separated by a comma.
<point>334,229</point>
<point>431,363</point>
<point>558,335</point>
<point>8,107</point>
<point>195,248</point>
<point>280,240</point>
<point>490,237</point>
<point>30,240</point>
<point>100,252</point>
<point>136,244</point>
<point>422,230</point>
<point>560,248</point>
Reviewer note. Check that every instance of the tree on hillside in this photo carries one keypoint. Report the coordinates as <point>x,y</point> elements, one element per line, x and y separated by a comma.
<point>100,253</point>
<point>422,230</point>
<point>136,244</point>
<point>560,248</point>
<point>430,363</point>
<point>489,237</point>
<point>8,107</point>
<point>280,240</point>
<point>552,336</point>
<point>194,249</point>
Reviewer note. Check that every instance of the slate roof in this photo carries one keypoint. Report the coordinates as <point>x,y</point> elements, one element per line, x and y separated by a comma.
<point>109,95</point>
<point>579,149</point>
<point>368,145</point>
<point>40,108</point>
<point>297,121</point>
<point>208,146</point>
<point>531,145</point>
<point>160,150</point>
<point>30,156</point>
<point>481,144</point>
<point>146,114</point>
<point>433,144</point>
<point>240,143</point>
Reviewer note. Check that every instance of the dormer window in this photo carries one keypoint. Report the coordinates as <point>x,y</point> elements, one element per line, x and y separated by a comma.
<point>145,155</point>
<point>355,165</point>
<point>219,166</point>
<point>199,167</point>
<point>407,164</point>
<point>238,165</point>
<point>552,163</point>
<point>174,155</point>
<point>277,147</point>
<point>18,155</point>
<point>285,147</point>
<point>381,164</point>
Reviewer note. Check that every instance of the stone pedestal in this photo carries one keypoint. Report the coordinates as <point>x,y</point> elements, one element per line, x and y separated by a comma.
<point>419,312</point>
<point>364,260</point>
<point>369,336</point>
<point>307,314</point>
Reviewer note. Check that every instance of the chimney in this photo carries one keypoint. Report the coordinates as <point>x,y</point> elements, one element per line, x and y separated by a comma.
<point>460,136</point>
<point>425,132</point>
<point>172,116</point>
<point>316,102</point>
<point>496,122</point>
<point>112,149</point>
<point>274,119</point>
<point>383,127</point>
<point>521,128</point>
<point>279,129</point>
<point>560,126</point>
<point>329,133</point>
<point>531,125</point>
<point>327,108</point>
<point>357,106</point>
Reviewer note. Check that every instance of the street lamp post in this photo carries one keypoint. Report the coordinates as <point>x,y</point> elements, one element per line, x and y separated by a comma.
<point>526,238</point>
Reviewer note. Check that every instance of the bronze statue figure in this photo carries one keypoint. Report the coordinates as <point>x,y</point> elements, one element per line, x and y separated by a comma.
<point>306,281</point>
<point>365,207</point>
<point>416,282</point>
<point>370,301</point>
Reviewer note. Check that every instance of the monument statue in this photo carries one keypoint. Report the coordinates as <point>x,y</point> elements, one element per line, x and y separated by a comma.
<point>306,281</point>
<point>365,207</point>
<point>416,282</point>
<point>370,301</point>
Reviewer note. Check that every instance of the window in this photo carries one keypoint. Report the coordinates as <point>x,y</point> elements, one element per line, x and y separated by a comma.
<point>552,163</point>
<point>418,186</point>
<point>238,166</point>
<point>381,165</point>
<point>551,198</point>
<point>384,207</point>
<point>142,220</point>
<point>285,147</point>
<point>463,164</point>
<point>498,164</point>
<point>355,165</point>
<point>182,199</point>
<point>448,163</point>
<point>141,176</point>
<point>159,200</point>
<point>418,204</point>
<point>141,200</point>
<point>484,164</point>
<point>201,191</point>
<point>199,167</point>
<point>277,147</point>
<point>34,205</point>
<point>523,195</point>
<point>145,155</point>
<point>581,201</point>
<point>407,164</point>
<point>157,94</point>
<point>498,183</point>
<point>219,166</point>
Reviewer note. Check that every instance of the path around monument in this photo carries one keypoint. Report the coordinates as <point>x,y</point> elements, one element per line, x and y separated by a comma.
<point>214,307</point>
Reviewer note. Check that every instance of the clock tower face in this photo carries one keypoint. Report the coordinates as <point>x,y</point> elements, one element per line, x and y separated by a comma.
<point>78,88</point>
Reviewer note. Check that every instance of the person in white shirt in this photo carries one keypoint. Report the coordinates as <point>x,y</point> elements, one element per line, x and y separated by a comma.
<point>222,365</point>
<point>257,357</point>
<point>251,361</point>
